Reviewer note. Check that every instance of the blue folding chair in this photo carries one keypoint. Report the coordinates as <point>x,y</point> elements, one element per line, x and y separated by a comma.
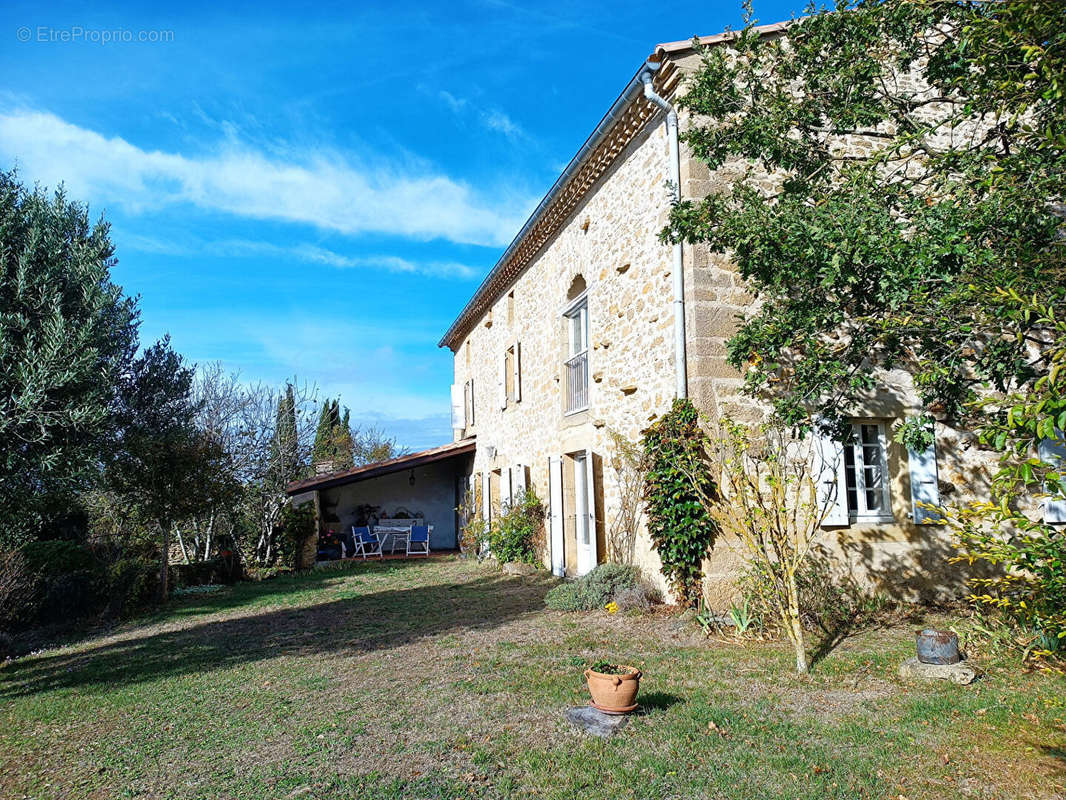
<point>418,541</point>
<point>366,543</point>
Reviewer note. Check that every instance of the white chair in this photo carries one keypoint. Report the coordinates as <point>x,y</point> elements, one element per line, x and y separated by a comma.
<point>418,540</point>
<point>366,543</point>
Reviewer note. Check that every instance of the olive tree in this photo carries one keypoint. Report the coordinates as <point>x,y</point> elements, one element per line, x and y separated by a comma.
<point>66,334</point>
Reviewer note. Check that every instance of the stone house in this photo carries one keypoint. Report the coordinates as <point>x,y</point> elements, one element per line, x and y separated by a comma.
<point>588,327</point>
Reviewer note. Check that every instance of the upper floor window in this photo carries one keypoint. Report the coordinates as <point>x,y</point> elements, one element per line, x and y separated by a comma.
<point>577,361</point>
<point>866,472</point>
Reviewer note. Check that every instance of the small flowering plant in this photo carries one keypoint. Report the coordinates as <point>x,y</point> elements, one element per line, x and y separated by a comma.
<point>611,607</point>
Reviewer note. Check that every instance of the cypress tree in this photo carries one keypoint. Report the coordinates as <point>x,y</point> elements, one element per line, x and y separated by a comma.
<point>323,447</point>
<point>342,443</point>
<point>285,458</point>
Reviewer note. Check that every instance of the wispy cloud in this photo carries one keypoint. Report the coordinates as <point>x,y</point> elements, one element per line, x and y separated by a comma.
<point>490,117</point>
<point>329,190</point>
<point>313,254</point>
<point>304,252</point>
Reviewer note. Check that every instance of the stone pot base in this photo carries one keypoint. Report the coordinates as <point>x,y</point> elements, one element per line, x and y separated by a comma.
<point>606,710</point>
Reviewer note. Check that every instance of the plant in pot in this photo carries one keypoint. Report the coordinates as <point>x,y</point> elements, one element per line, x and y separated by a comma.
<point>613,686</point>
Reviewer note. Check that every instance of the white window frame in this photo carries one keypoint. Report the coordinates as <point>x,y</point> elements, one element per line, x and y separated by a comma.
<point>577,309</point>
<point>860,512</point>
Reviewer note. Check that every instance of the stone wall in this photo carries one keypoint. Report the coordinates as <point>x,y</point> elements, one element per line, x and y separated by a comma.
<point>611,242</point>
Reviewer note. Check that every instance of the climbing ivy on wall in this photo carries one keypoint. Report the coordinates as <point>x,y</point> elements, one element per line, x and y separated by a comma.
<point>678,524</point>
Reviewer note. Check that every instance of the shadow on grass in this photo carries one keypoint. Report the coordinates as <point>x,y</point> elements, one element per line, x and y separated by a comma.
<point>373,621</point>
<point>659,701</point>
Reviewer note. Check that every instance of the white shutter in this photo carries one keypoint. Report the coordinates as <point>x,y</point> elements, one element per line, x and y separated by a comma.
<point>925,487</point>
<point>503,380</point>
<point>555,514</point>
<point>1053,453</point>
<point>517,378</point>
<point>458,407</point>
<point>518,485</point>
<point>506,489</point>
<point>831,482</point>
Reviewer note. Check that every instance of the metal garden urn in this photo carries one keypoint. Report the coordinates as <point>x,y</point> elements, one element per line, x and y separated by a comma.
<point>938,647</point>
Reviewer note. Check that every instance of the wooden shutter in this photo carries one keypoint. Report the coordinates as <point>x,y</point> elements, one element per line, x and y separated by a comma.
<point>458,406</point>
<point>590,507</point>
<point>555,514</point>
<point>503,379</point>
<point>517,377</point>
<point>486,499</point>
<point>506,488</point>
<point>925,486</point>
<point>1053,453</point>
<point>518,482</point>
<point>470,402</point>
<point>831,482</point>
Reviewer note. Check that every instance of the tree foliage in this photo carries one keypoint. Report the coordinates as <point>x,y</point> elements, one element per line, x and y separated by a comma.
<point>66,333</point>
<point>890,252</point>
<point>677,476</point>
<point>163,463</point>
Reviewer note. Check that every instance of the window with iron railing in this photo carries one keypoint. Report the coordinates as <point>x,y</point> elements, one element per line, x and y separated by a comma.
<point>577,362</point>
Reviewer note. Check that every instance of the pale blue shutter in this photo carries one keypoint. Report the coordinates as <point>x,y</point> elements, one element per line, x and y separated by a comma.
<point>1053,453</point>
<point>925,484</point>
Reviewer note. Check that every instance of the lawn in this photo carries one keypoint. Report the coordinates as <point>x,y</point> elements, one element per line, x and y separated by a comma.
<point>445,679</point>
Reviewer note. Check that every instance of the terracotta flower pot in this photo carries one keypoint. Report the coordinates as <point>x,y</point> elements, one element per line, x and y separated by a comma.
<point>614,694</point>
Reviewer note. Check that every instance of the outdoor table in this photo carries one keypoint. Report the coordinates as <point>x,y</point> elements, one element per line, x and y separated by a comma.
<point>399,534</point>
<point>396,532</point>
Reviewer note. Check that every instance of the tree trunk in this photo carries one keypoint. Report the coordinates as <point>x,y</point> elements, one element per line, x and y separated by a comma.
<point>795,626</point>
<point>210,535</point>
<point>164,566</point>
<point>181,543</point>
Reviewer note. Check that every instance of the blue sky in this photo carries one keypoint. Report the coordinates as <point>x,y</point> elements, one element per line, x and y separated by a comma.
<point>317,189</point>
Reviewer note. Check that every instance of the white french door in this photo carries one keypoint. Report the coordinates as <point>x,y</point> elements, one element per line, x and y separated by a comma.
<point>585,502</point>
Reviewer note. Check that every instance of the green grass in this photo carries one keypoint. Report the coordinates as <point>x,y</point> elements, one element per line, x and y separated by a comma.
<point>444,679</point>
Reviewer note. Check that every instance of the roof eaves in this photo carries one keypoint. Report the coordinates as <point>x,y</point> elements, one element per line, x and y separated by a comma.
<point>367,471</point>
<point>492,286</point>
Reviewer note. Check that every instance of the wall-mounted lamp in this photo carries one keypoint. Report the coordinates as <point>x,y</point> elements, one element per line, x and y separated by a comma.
<point>411,479</point>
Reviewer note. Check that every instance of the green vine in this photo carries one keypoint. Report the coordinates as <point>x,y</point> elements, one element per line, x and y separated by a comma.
<point>677,472</point>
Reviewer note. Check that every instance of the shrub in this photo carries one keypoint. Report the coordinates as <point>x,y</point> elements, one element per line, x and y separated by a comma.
<point>634,598</point>
<point>1028,587</point>
<point>594,590</point>
<point>515,535</point>
<point>677,474</point>
<point>829,600</point>
<point>132,585</point>
<point>15,586</point>
<point>199,573</point>
<point>70,595</point>
<point>296,526</point>
<point>56,557</point>
<point>62,580</point>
